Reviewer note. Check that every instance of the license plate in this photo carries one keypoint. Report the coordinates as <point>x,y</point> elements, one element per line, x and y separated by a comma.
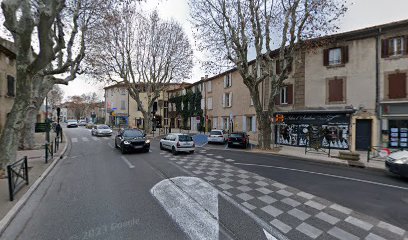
<point>236,143</point>
<point>138,146</point>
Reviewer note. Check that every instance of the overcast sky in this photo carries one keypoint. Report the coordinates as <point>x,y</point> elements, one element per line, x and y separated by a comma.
<point>361,14</point>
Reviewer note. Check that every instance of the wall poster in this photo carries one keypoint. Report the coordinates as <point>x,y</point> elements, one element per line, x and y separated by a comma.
<point>334,126</point>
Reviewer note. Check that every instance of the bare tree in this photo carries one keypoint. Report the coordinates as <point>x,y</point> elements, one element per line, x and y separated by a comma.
<point>57,29</point>
<point>233,29</point>
<point>145,53</point>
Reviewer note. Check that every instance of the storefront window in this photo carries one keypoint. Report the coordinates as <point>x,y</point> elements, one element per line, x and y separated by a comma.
<point>398,130</point>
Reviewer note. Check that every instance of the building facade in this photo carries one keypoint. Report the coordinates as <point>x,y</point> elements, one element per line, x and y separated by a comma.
<point>7,79</point>
<point>353,87</point>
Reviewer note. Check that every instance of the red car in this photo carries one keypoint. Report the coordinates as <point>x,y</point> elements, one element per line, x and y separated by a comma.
<point>240,139</point>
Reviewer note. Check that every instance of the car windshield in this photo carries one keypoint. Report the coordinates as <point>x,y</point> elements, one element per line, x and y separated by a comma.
<point>185,138</point>
<point>236,135</point>
<point>215,133</point>
<point>132,133</point>
<point>103,127</point>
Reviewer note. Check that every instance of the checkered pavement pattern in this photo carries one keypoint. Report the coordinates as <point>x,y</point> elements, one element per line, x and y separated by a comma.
<point>296,214</point>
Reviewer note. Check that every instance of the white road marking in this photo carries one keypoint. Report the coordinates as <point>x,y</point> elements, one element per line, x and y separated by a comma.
<point>202,145</point>
<point>127,162</point>
<point>74,140</point>
<point>110,145</point>
<point>327,175</point>
<point>226,146</point>
<point>229,160</point>
<point>150,150</point>
<point>95,138</point>
<point>269,236</point>
<point>85,139</point>
<point>192,203</point>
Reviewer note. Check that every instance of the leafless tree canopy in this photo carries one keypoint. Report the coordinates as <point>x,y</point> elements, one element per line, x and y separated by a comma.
<point>143,51</point>
<point>231,30</point>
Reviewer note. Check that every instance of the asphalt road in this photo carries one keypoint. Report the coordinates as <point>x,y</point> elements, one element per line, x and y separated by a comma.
<point>375,193</point>
<point>95,192</point>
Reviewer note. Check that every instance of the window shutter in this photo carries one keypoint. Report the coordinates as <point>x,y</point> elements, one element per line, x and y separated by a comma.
<point>202,103</point>
<point>230,80</point>
<point>397,85</point>
<point>289,92</point>
<point>384,48</point>
<point>222,123</point>
<point>10,86</point>
<point>277,99</point>
<point>326,57</point>
<point>406,45</point>
<point>336,90</point>
<point>230,99</point>
<point>244,123</point>
<point>278,68</point>
<point>225,81</point>
<point>344,54</point>
<point>223,99</point>
<point>253,124</point>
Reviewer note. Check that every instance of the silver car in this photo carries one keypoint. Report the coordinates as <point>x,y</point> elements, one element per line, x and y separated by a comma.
<point>101,130</point>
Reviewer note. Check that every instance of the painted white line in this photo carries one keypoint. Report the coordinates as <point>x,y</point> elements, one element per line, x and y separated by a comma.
<point>269,236</point>
<point>85,139</point>
<point>229,160</point>
<point>150,150</point>
<point>327,175</point>
<point>110,145</point>
<point>95,138</point>
<point>127,162</point>
<point>226,146</point>
<point>74,140</point>
<point>192,204</point>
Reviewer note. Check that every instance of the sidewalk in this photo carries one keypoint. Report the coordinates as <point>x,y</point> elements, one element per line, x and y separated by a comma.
<point>299,152</point>
<point>37,167</point>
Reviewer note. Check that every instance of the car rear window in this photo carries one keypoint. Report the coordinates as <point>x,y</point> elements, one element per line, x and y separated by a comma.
<point>236,135</point>
<point>185,138</point>
<point>215,133</point>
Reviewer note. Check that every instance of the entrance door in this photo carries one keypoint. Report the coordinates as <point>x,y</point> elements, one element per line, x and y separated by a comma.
<point>363,134</point>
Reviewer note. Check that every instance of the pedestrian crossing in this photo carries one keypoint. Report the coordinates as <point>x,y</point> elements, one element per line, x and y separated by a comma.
<point>90,139</point>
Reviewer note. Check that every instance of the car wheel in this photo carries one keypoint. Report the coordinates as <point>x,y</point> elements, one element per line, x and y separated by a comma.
<point>146,150</point>
<point>173,150</point>
<point>229,145</point>
<point>192,152</point>
<point>161,146</point>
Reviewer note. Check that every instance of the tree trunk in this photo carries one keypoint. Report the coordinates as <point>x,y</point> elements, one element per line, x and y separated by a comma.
<point>27,135</point>
<point>40,88</point>
<point>14,124</point>
<point>147,118</point>
<point>264,131</point>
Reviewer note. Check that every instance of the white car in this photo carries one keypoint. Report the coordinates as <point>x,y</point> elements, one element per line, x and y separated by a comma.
<point>178,142</point>
<point>101,130</point>
<point>72,123</point>
<point>217,136</point>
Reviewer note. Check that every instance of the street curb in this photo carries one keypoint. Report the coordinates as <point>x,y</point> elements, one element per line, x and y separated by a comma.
<point>20,203</point>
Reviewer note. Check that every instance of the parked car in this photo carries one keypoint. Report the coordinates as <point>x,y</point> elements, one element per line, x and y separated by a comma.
<point>101,130</point>
<point>131,140</point>
<point>397,163</point>
<point>240,139</point>
<point>178,142</point>
<point>217,136</point>
<point>82,123</point>
<point>72,123</point>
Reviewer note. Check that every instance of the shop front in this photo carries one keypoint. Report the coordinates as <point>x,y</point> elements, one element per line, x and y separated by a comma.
<point>334,125</point>
<point>395,125</point>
